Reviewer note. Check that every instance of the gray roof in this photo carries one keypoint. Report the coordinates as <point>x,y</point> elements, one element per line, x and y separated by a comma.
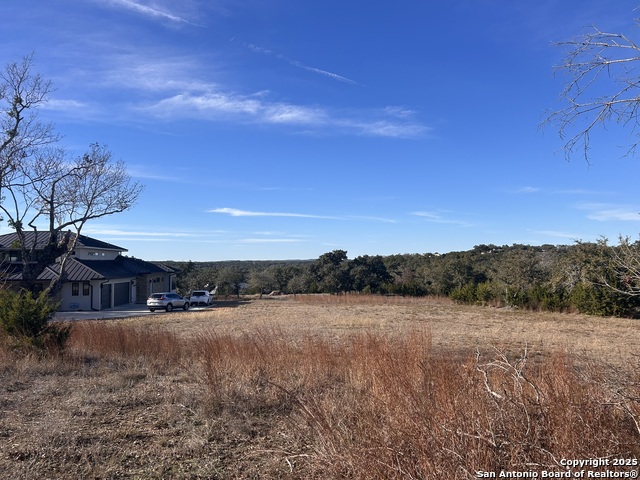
<point>42,238</point>
<point>11,272</point>
<point>142,267</point>
<point>86,270</point>
<point>78,270</point>
<point>75,272</point>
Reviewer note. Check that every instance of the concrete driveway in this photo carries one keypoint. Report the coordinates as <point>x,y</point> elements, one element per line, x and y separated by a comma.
<point>124,311</point>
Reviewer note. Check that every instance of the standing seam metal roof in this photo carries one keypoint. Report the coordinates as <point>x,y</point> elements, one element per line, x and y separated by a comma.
<point>42,238</point>
<point>86,270</point>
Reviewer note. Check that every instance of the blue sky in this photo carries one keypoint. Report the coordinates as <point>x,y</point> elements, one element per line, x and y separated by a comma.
<point>287,129</point>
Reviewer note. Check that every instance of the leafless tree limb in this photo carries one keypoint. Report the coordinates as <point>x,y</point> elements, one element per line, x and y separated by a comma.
<point>39,185</point>
<point>603,87</point>
<point>21,132</point>
<point>625,263</point>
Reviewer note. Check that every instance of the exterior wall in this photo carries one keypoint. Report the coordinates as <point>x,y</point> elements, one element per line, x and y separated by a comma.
<point>84,253</point>
<point>81,301</point>
<point>92,301</point>
<point>140,288</point>
<point>153,283</point>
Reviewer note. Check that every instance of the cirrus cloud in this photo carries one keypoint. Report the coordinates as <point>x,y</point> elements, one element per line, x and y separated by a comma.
<point>604,212</point>
<point>234,212</point>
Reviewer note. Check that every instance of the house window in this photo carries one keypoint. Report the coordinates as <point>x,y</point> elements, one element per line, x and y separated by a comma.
<point>86,289</point>
<point>75,289</point>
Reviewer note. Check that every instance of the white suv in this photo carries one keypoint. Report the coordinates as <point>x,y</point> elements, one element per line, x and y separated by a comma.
<point>166,301</point>
<point>201,297</point>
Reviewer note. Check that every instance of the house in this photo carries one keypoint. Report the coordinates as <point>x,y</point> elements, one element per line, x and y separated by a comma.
<point>96,274</point>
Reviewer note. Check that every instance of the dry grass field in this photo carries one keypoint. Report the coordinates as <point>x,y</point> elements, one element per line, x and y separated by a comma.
<point>324,387</point>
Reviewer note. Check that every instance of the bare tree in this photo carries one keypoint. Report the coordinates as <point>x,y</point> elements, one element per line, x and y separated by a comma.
<point>603,87</point>
<point>625,267</point>
<point>44,194</point>
<point>21,132</point>
<point>62,196</point>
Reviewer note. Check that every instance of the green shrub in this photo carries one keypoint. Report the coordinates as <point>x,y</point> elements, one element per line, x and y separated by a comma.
<point>485,293</point>
<point>464,294</point>
<point>546,298</point>
<point>25,320</point>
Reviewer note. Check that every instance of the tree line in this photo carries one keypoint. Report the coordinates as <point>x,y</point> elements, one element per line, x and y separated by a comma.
<point>586,277</point>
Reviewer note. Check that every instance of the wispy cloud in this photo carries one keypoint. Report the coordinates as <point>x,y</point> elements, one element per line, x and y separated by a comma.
<point>334,76</point>
<point>526,189</point>
<point>182,87</point>
<point>218,105</point>
<point>608,212</point>
<point>271,240</point>
<point>428,215</point>
<point>153,72</point>
<point>436,217</point>
<point>399,112</point>
<point>234,212</point>
<point>142,172</point>
<point>63,104</point>
<point>558,234</point>
<point>385,128</point>
<point>581,191</point>
<point>270,234</point>
<point>374,219</point>
<point>134,233</point>
<point>147,11</point>
<point>296,63</point>
<point>209,105</point>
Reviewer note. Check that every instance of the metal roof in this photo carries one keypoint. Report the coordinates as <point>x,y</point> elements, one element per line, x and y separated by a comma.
<point>108,268</point>
<point>77,270</point>
<point>142,267</point>
<point>42,238</point>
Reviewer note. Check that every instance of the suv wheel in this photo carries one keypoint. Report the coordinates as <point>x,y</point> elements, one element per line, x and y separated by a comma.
<point>169,307</point>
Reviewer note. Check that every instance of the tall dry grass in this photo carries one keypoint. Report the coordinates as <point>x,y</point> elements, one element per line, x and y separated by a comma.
<point>366,299</point>
<point>111,340</point>
<point>369,405</point>
<point>385,407</point>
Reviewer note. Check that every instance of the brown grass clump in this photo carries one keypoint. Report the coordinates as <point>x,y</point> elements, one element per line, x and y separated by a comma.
<point>143,400</point>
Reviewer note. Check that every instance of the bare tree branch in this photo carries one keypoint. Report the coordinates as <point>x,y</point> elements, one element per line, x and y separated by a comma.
<point>603,87</point>
<point>21,132</point>
<point>70,194</point>
<point>625,263</point>
<point>40,185</point>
